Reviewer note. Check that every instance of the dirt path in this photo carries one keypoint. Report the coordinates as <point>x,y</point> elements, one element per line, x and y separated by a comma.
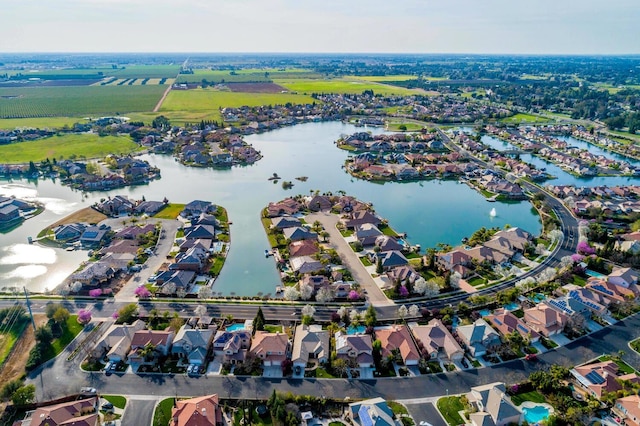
<point>164,95</point>
<point>14,367</point>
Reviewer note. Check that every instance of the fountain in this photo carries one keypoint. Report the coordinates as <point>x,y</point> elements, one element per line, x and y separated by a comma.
<point>493,213</point>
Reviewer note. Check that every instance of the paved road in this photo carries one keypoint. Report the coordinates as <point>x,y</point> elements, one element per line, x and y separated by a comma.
<point>139,411</point>
<point>350,258</point>
<point>426,414</point>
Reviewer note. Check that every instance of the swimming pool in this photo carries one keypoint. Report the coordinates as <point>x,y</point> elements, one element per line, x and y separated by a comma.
<point>484,312</point>
<point>593,273</point>
<point>512,306</point>
<point>235,327</point>
<point>537,298</point>
<point>356,330</point>
<point>535,414</point>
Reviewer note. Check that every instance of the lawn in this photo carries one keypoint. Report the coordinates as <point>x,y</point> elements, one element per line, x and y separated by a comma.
<point>218,263</point>
<point>383,78</point>
<point>118,401</point>
<point>623,366</point>
<point>408,127</point>
<point>194,105</point>
<point>26,102</point>
<point>171,211</point>
<point>69,146</point>
<point>320,373</point>
<point>162,413</point>
<point>397,408</point>
<point>273,328</point>
<point>449,407</point>
<point>341,85</point>
<point>365,261</point>
<point>9,337</point>
<point>68,334</point>
<point>533,396</point>
<point>525,118</point>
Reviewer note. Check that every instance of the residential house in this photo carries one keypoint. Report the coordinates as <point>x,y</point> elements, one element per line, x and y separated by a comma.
<point>506,323</point>
<point>319,203</point>
<point>83,412</point>
<point>545,320</point>
<point>397,338</point>
<point>197,207</point>
<point>387,243</point>
<point>116,206</point>
<point>133,232</point>
<point>199,411</point>
<point>298,233</point>
<point>200,232</point>
<point>403,274</point>
<point>271,348</point>
<point>194,259</point>
<point>601,377</point>
<point>116,342</point>
<point>8,214</point>
<point>94,235</point>
<point>372,412</point>
<point>493,406</point>
<point>355,349</point>
<point>192,344</point>
<point>614,293</point>
<point>149,207</point>
<point>361,217</point>
<point>282,222</point>
<point>69,232</point>
<point>437,341</point>
<point>392,259</point>
<point>310,343</point>
<point>456,259</point>
<point>367,233</point>
<point>159,340</point>
<point>232,346</point>
<point>628,410</point>
<point>478,337</point>
<point>305,264</point>
<point>172,280</point>
<point>95,273</point>
<point>624,277</point>
<point>287,206</point>
<point>303,248</point>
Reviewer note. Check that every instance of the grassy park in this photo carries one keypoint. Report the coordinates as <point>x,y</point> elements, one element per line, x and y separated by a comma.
<point>67,146</point>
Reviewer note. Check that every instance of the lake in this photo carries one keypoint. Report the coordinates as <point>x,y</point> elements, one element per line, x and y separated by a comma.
<point>429,212</point>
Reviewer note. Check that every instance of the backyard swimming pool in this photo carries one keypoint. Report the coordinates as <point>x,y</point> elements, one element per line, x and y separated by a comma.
<point>235,327</point>
<point>535,413</point>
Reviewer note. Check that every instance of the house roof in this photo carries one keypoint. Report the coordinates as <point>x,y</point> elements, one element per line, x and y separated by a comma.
<point>545,319</point>
<point>155,337</point>
<point>196,338</point>
<point>435,336</point>
<point>631,405</point>
<point>67,413</point>
<point>601,377</point>
<point>506,322</point>
<point>303,248</point>
<point>360,343</point>
<point>310,340</point>
<point>627,274</point>
<point>398,337</point>
<point>269,343</point>
<point>393,258</point>
<point>372,412</point>
<point>305,264</point>
<point>285,222</point>
<point>201,411</point>
<point>299,233</point>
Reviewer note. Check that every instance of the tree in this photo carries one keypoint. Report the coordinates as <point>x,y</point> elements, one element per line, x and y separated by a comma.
<point>370,317</point>
<point>205,292</point>
<point>127,314</point>
<point>306,291</point>
<point>427,288</point>
<point>340,367</point>
<point>76,286</point>
<point>454,280</point>
<point>290,293</point>
<point>379,268</point>
<point>43,335</point>
<point>354,317</point>
<point>176,323</point>
<point>24,395</point>
<point>84,316</point>
<point>414,311</point>
<point>200,311</point>
<point>308,311</point>
<point>161,122</point>
<point>61,316</point>
<point>402,312</point>
<point>258,321</point>
<point>324,295</point>
<point>51,309</point>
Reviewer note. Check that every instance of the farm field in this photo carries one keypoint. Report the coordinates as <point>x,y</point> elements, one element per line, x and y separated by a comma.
<point>40,122</point>
<point>383,78</point>
<point>198,104</point>
<point>77,101</point>
<point>525,118</point>
<point>247,75</point>
<point>341,86</point>
<point>67,146</point>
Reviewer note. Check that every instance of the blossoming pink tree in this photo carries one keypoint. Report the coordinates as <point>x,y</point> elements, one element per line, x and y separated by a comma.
<point>84,316</point>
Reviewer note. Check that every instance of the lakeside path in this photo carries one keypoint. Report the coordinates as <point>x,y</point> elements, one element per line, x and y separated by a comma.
<point>329,221</point>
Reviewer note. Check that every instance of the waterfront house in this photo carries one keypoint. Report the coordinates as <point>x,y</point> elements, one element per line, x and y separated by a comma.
<point>116,206</point>
<point>545,320</point>
<point>192,345</point>
<point>492,405</point>
<point>149,207</point>
<point>355,349</point>
<point>94,235</point>
<point>199,411</point>
<point>270,348</point>
<point>478,337</point>
<point>372,412</point>
<point>115,343</point>
<point>367,233</point>
<point>387,243</point>
<point>303,248</point>
<point>628,410</point>
<point>506,322</point>
<point>232,346</point>
<point>197,207</point>
<point>203,244</point>
<point>8,214</point>
<point>601,377</point>
<point>69,232</point>
<point>202,232</point>
<point>310,343</point>
<point>283,222</point>
<point>361,217</point>
<point>456,259</point>
<point>392,259</point>
<point>397,338</point>
<point>319,203</point>
<point>402,274</point>
<point>437,341</point>
<point>194,259</point>
<point>82,412</point>
<point>305,265</point>
<point>298,233</point>
<point>95,273</point>
<point>288,206</point>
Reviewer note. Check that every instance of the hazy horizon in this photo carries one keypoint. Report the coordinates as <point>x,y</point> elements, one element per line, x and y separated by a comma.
<point>490,27</point>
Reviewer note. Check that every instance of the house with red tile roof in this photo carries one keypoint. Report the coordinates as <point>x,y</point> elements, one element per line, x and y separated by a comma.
<point>601,377</point>
<point>200,411</point>
<point>160,340</point>
<point>437,341</point>
<point>506,323</point>
<point>545,320</point>
<point>271,348</point>
<point>76,413</point>
<point>303,248</point>
<point>628,409</point>
<point>397,337</point>
<point>355,348</point>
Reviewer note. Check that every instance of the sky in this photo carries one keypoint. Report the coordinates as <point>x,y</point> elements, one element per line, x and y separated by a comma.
<point>341,26</point>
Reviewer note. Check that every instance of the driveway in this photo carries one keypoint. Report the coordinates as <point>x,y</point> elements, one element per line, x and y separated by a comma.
<point>351,261</point>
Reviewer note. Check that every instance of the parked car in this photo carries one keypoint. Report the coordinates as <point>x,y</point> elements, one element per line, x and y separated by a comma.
<point>88,391</point>
<point>531,357</point>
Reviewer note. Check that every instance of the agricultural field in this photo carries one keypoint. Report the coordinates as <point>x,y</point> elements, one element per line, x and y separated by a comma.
<point>248,75</point>
<point>198,104</point>
<point>146,71</point>
<point>27,102</point>
<point>345,85</point>
<point>384,78</point>
<point>40,122</point>
<point>70,145</point>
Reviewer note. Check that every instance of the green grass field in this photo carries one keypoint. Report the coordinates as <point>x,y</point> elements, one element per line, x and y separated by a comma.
<point>341,86</point>
<point>449,407</point>
<point>533,396</point>
<point>118,401</point>
<point>253,75</point>
<point>9,338</point>
<point>171,211</point>
<point>67,146</point>
<point>200,104</point>
<point>525,118</point>
<point>383,78</point>
<point>162,413</point>
<point>68,334</point>
<point>40,122</point>
<point>77,101</point>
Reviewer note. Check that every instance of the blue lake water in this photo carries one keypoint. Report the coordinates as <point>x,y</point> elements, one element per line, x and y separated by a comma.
<point>429,212</point>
